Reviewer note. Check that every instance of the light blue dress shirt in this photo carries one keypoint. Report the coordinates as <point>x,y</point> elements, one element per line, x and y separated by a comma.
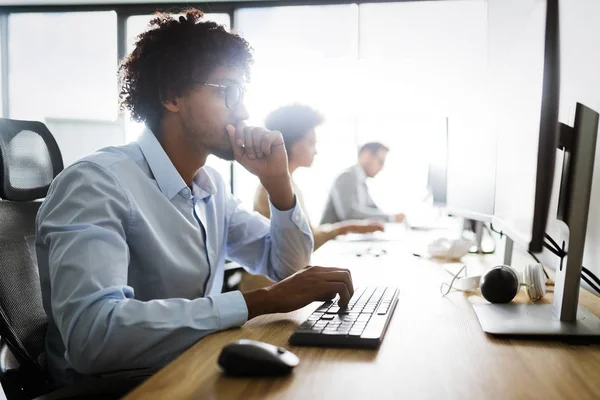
<point>131,260</point>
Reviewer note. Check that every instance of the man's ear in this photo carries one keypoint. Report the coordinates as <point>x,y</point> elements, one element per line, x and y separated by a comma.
<point>171,104</point>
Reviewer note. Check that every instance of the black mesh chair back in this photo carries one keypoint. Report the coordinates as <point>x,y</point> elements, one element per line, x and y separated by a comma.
<point>29,161</point>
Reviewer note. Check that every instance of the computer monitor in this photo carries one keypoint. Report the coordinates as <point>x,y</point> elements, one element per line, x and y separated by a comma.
<point>527,147</point>
<point>437,175</point>
<point>471,166</point>
<point>526,97</point>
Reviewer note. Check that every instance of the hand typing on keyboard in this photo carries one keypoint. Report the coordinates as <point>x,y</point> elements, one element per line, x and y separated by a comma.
<point>361,323</point>
<point>305,286</point>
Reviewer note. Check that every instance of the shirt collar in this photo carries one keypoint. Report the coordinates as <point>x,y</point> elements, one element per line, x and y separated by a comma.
<point>166,175</point>
<point>168,179</point>
<point>360,173</point>
<point>204,186</point>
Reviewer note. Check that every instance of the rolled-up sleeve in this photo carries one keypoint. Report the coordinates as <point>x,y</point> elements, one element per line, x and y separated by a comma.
<point>83,258</point>
<point>276,248</point>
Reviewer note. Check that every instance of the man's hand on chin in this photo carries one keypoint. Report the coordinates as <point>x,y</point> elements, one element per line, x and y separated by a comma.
<point>262,153</point>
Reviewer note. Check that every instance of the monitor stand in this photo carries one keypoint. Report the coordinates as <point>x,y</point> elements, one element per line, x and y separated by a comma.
<point>534,320</point>
<point>564,317</point>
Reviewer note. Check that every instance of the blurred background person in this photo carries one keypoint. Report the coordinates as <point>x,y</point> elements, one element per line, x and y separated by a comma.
<point>349,197</point>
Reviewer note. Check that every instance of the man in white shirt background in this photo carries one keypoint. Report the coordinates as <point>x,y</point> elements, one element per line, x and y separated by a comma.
<point>349,196</point>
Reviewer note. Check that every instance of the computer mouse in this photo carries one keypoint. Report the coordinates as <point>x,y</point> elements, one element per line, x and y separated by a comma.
<point>252,358</point>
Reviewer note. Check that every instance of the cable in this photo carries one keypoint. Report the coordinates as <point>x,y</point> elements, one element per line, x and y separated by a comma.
<point>444,294</point>
<point>586,274</point>
<point>590,283</point>
<point>495,231</point>
<point>558,253</point>
<point>590,274</point>
<point>556,246</point>
<point>537,260</point>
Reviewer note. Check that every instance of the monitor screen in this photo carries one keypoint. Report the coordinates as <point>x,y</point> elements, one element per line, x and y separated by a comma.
<point>471,169</point>
<point>524,60</point>
<point>438,167</point>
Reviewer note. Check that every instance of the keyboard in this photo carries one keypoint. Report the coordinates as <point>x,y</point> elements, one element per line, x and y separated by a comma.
<point>362,324</point>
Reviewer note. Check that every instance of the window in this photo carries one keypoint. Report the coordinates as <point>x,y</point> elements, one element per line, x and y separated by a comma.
<point>313,66</point>
<point>63,65</point>
<point>420,62</point>
<point>63,72</point>
<point>138,24</point>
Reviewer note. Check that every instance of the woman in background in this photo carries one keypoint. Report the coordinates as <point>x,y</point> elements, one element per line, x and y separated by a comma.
<point>297,125</point>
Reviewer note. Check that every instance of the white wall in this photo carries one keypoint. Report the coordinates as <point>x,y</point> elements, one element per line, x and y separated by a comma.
<point>580,82</point>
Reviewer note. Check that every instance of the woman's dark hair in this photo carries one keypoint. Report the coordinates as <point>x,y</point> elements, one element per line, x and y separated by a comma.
<point>294,122</point>
<point>171,56</point>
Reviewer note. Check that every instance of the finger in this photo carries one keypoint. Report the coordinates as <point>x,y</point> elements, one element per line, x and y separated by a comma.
<point>342,276</point>
<point>267,141</point>
<point>237,149</point>
<point>339,288</point>
<point>239,134</point>
<point>248,142</point>
<point>326,297</point>
<point>257,135</point>
<point>321,269</point>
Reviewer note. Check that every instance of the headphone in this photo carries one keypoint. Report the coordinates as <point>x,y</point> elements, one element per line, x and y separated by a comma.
<point>502,283</point>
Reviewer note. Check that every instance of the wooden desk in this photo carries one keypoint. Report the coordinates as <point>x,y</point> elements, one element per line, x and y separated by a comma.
<point>434,348</point>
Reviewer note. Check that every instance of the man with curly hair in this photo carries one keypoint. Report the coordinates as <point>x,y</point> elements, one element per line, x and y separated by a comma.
<point>131,241</point>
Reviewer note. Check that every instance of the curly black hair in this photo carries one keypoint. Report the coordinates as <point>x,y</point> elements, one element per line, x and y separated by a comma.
<point>171,56</point>
<point>294,122</point>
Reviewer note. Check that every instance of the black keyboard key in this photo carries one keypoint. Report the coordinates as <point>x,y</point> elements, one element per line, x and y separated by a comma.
<point>334,333</point>
<point>314,317</point>
<point>324,307</point>
<point>327,317</point>
<point>306,325</point>
<point>312,332</point>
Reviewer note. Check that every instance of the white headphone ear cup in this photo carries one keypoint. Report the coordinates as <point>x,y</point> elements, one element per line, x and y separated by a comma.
<point>533,278</point>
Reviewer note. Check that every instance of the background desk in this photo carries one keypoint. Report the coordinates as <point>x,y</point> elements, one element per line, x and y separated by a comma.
<point>434,347</point>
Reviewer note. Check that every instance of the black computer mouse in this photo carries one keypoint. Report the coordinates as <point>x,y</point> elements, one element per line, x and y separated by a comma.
<point>252,358</point>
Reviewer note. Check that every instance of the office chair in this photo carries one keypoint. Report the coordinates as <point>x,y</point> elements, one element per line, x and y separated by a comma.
<point>29,161</point>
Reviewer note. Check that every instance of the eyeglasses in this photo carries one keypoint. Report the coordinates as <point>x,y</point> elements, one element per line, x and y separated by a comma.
<point>234,94</point>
